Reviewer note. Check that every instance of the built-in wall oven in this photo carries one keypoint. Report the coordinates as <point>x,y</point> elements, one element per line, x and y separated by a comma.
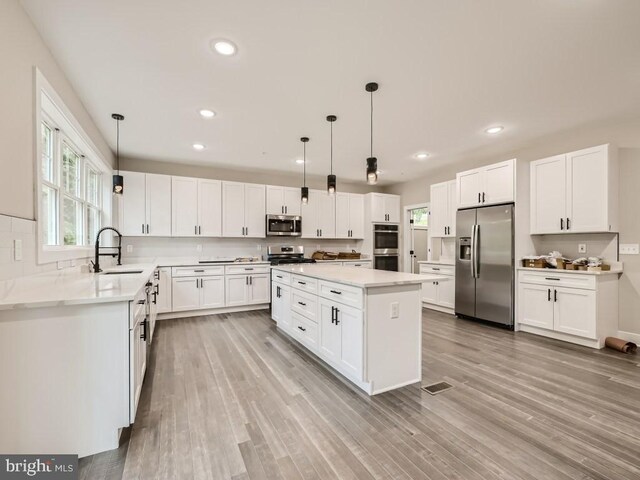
<point>386,247</point>
<point>284,225</point>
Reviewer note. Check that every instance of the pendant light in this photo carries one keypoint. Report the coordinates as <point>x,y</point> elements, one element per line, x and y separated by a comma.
<point>331,178</point>
<point>372,162</point>
<point>118,180</point>
<point>304,191</point>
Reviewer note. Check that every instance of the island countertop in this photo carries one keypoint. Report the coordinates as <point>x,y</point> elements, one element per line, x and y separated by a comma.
<point>357,277</point>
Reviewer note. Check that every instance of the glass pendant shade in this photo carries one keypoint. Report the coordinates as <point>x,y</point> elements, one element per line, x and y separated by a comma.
<point>372,170</point>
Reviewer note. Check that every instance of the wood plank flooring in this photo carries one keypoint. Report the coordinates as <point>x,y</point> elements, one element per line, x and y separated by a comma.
<point>229,397</point>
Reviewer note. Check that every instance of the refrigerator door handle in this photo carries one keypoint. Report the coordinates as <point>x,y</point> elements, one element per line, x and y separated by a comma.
<point>475,251</point>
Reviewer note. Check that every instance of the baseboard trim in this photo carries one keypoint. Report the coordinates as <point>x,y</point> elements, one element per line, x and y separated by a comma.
<point>438,308</point>
<point>629,336</point>
<point>211,311</point>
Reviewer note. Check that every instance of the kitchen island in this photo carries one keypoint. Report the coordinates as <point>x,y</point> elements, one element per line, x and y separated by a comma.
<point>365,324</point>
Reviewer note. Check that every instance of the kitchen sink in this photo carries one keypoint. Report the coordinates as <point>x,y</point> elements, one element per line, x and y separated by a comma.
<point>122,272</point>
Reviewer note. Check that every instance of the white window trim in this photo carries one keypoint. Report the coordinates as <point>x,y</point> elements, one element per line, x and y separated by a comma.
<point>45,97</point>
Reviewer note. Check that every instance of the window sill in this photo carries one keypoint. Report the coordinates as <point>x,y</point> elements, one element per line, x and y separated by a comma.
<point>50,254</point>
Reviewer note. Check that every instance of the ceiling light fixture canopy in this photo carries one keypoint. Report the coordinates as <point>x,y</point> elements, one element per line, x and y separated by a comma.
<point>372,162</point>
<point>118,180</point>
<point>304,191</point>
<point>331,178</point>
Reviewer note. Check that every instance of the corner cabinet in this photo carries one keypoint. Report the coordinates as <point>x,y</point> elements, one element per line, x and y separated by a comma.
<point>349,215</point>
<point>319,215</point>
<point>489,185</point>
<point>442,215</point>
<point>243,210</point>
<point>576,192</point>
<point>384,207</point>
<point>145,206</point>
<point>196,207</point>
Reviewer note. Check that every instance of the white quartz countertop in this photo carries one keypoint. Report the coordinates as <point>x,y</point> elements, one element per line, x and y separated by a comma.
<point>344,260</point>
<point>72,287</point>
<point>615,269</point>
<point>357,277</point>
<point>190,261</point>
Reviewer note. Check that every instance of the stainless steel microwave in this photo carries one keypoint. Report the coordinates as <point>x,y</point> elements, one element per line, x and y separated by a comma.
<point>284,226</point>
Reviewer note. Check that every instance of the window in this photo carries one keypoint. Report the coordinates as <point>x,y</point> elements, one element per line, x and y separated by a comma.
<point>420,217</point>
<point>71,191</point>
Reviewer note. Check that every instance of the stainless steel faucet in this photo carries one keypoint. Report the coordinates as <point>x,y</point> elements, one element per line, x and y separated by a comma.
<point>96,262</point>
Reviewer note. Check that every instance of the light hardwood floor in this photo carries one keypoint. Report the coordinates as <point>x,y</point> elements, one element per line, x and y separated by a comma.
<point>228,396</point>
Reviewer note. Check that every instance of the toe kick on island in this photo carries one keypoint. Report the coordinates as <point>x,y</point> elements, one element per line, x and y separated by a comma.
<point>366,325</point>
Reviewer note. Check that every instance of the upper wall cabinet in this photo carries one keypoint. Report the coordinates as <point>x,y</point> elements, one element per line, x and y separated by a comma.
<point>488,185</point>
<point>384,207</point>
<point>283,200</point>
<point>145,209</point>
<point>442,220</point>
<point>319,215</point>
<point>196,207</point>
<point>243,210</point>
<point>349,215</point>
<point>575,192</point>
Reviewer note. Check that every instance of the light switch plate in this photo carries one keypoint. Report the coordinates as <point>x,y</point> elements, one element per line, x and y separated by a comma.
<point>199,248</point>
<point>129,248</point>
<point>629,249</point>
<point>17,250</point>
<point>582,248</point>
<point>395,310</point>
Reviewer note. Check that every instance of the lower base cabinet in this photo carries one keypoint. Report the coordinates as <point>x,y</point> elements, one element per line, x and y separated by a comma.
<point>441,291</point>
<point>247,289</point>
<point>281,305</point>
<point>192,293</point>
<point>164,290</point>
<point>341,335</point>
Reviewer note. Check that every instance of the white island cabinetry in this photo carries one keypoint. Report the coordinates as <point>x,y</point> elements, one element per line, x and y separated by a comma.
<point>364,323</point>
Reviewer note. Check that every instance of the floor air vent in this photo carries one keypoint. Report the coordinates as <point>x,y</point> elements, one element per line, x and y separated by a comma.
<point>436,388</point>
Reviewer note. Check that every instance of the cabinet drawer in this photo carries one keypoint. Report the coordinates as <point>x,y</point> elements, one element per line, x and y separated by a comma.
<point>304,283</point>
<point>554,279</point>
<point>304,303</point>
<point>341,293</point>
<point>439,269</point>
<point>246,269</point>
<point>196,271</point>
<point>366,264</point>
<point>305,330</point>
<point>280,277</point>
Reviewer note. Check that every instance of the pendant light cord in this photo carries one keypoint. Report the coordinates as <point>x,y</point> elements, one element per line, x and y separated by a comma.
<point>304,166</point>
<point>331,155</point>
<point>118,145</point>
<point>371,124</point>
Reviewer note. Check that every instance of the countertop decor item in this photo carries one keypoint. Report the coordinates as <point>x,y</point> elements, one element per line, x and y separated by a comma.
<point>322,255</point>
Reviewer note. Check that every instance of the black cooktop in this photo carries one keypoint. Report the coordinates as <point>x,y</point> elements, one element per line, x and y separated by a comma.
<point>285,261</point>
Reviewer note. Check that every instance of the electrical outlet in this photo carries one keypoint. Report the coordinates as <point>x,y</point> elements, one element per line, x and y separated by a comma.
<point>199,247</point>
<point>395,310</point>
<point>582,248</point>
<point>629,249</point>
<point>259,247</point>
<point>17,250</point>
<point>129,248</point>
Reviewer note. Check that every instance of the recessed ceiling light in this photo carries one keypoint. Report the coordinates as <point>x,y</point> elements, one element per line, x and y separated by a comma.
<point>205,113</point>
<point>494,130</point>
<point>299,161</point>
<point>198,146</point>
<point>224,47</point>
<point>422,155</point>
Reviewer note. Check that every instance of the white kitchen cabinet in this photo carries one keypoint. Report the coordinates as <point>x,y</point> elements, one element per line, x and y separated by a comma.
<point>145,206</point>
<point>575,192</point>
<point>430,292</point>
<point>247,289</point>
<point>212,292</point>
<point>137,355</point>
<point>442,219</point>
<point>574,307</point>
<point>384,207</point>
<point>283,200</point>
<point>319,215</point>
<point>196,207</point>
<point>439,292</point>
<point>164,290</point>
<point>243,210</point>
<point>185,293</point>
<point>281,305</point>
<point>329,335</point>
<point>349,215</point>
<point>340,339</point>
<point>489,185</point>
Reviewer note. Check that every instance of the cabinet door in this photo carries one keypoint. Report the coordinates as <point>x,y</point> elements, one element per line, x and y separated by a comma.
<point>350,322</point>
<point>137,367</point>
<point>446,292</point>
<point>209,208</point>
<point>392,208</point>
<point>452,208</point>
<point>184,206</point>
<point>292,201</point>
<point>343,215</point>
<point>548,194</point>
<point>254,211</point>
<point>330,335</point>
<point>280,305</point>
<point>439,219</point>
<point>133,211</point>
<point>575,312</point>
<point>212,292</point>
<point>469,188</point>
<point>326,215</point>
<point>430,292</point>
<point>275,200</point>
<point>236,290</point>
<point>259,288</point>
<point>164,290</point>
<point>310,216</point>
<point>587,190</point>
<point>534,306</point>
<point>232,209</point>
<point>185,294</point>
<point>378,212</point>
<point>356,215</point>
<point>499,183</point>
<point>158,203</point>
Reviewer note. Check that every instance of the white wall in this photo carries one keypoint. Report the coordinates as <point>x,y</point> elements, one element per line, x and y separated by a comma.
<point>22,49</point>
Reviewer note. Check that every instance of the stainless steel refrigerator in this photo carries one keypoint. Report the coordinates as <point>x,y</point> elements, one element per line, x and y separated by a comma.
<point>485,264</point>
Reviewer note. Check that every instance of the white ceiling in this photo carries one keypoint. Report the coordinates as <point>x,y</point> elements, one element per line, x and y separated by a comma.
<point>447,70</point>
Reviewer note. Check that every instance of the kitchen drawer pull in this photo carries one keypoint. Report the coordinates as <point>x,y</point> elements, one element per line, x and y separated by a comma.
<point>548,294</point>
<point>336,292</point>
<point>199,271</point>
<point>248,269</point>
<point>302,328</point>
<point>555,295</point>
<point>435,268</point>
<point>302,303</point>
<point>302,283</point>
<point>278,276</point>
<point>551,278</point>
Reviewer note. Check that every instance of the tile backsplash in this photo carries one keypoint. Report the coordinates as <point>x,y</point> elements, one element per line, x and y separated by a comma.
<point>603,245</point>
